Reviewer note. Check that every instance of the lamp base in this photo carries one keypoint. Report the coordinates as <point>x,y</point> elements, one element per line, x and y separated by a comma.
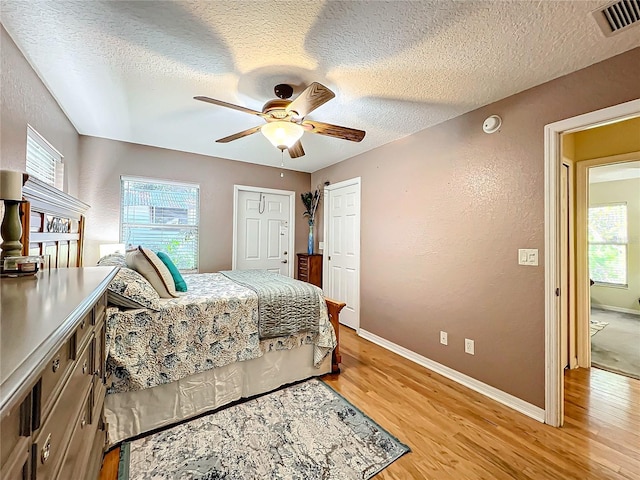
<point>11,230</point>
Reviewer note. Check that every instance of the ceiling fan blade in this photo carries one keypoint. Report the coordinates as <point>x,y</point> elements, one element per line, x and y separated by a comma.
<point>296,150</point>
<point>229,105</point>
<point>311,98</point>
<point>336,131</point>
<point>238,135</point>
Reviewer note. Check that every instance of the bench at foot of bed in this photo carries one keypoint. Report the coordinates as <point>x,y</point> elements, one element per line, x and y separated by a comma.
<point>334,316</point>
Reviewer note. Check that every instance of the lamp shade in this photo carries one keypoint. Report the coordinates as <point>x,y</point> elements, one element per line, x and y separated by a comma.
<point>11,185</point>
<point>282,134</point>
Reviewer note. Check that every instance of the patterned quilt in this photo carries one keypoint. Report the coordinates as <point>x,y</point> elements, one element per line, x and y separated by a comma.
<point>214,324</point>
<point>285,306</point>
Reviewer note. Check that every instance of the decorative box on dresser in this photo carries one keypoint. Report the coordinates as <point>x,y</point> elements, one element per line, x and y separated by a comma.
<point>52,369</point>
<point>310,268</point>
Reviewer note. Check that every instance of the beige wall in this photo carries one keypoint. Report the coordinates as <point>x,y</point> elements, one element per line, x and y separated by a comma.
<point>25,99</point>
<point>104,161</point>
<point>617,192</point>
<point>444,212</point>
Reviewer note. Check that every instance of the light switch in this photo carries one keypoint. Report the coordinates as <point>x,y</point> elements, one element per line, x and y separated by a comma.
<point>522,257</point>
<point>528,256</point>
<point>321,245</point>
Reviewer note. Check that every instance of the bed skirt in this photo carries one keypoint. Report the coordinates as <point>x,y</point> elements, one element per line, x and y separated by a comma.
<point>132,413</point>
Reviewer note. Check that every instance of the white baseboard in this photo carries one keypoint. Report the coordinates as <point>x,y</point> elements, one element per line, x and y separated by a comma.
<point>615,309</point>
<point>510,401</point>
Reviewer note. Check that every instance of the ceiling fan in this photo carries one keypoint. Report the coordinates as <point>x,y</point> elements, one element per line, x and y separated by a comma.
<point>285,118</point>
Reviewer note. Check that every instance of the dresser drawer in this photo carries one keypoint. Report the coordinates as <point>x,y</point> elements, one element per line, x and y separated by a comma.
<point>85,327</point>
<point>54,434</point>
<point>17,467</point>
<point>98,367</point>
<point>54,375</point>
<point>15,427</point>
<point>310,268</point>
<point>99,309</point>
<point>77,455</point>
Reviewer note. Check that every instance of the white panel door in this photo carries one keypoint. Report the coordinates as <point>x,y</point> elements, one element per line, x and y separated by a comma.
<point>262,232</point>
<point>342,248</point>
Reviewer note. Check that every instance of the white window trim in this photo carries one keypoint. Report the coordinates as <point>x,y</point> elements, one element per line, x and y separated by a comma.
<point>132,178</point>
<point>58,158</point>
<point>624,244</point>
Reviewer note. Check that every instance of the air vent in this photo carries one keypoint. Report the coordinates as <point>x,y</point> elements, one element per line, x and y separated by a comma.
<point>618,16</point>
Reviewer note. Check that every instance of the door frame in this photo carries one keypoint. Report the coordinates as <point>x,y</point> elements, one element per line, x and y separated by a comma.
<point>583,307</point>
<point>292,225</point>
<point>554,379</point>
<point>325,235</point>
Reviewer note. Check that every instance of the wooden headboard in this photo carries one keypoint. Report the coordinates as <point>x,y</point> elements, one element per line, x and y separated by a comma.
<point>52,225</point>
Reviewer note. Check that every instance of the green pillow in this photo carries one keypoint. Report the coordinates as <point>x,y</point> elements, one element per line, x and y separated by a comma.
<point>181,285</point>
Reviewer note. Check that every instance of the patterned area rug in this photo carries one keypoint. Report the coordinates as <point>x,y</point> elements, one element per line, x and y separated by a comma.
<point>306,431</point>
<point>595,326</point>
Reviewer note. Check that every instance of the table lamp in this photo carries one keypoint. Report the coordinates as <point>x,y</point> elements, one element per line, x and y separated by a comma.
<point>11,229</point>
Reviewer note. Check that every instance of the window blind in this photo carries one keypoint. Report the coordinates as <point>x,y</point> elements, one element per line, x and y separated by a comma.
<point>162,216</point>
<point>608,238</point>
<point>43,161</point>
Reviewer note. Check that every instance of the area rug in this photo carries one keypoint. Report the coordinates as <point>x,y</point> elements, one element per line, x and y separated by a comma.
<point>595,326</point>
<point>306,431</point>
<point>617,347</point>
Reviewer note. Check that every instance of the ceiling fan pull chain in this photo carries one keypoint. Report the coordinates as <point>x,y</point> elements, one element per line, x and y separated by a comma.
<point>282,162</point>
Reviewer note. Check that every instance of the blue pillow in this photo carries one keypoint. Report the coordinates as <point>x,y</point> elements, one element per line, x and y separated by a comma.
<point>181,285</point>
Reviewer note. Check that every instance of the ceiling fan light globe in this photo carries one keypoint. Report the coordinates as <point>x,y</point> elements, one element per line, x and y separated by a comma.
<point>282,133</point>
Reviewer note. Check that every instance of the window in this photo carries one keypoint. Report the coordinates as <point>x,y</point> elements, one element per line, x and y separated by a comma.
<point>43,161</point>
<point>162,216</point>
<point>608,244</point>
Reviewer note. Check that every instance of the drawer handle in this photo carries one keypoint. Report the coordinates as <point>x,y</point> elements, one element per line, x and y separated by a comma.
<point>46,450</point>
<point>55,365</point>
<point>83,423</point>
<point>84,322</point>
<point>84,368</point>
<point>97,373</point>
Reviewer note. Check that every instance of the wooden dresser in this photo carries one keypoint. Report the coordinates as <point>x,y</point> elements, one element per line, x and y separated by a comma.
<point>52,369</point>
<point>310,268</point>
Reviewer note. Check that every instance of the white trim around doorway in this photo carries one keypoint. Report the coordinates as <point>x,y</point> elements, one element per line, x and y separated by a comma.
<point>292,221</point>
<point>552,163</point>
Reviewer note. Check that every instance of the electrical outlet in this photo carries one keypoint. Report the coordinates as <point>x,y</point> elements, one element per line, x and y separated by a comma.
<point>469,346</point>
<point>443,338</point>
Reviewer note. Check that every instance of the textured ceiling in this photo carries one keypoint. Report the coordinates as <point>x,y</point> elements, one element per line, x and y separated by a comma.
<point>128,70</point>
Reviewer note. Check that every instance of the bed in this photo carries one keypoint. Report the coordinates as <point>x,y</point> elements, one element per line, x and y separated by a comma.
<point>158,371</point>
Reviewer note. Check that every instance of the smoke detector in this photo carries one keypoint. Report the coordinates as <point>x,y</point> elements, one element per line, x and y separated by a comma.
<point>492,124</point>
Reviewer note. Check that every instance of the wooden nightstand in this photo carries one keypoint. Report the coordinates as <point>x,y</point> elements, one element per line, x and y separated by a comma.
<point>310,268</point>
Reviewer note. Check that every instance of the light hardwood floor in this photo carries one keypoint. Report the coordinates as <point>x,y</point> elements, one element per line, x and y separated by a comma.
<point>455,433</point>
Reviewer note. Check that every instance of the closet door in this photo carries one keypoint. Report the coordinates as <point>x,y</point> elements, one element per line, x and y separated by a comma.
<point>263,233</point>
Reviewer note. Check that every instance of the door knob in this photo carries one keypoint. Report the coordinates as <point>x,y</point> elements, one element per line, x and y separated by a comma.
<point>284,261</point>
<point>284,253</point>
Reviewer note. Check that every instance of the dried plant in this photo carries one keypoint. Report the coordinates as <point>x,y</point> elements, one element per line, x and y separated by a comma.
<point>311,200</point>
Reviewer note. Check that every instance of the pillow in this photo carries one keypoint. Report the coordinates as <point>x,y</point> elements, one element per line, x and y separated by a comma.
<point>181,285</point>
<point>129,289</point>
<point>113,260</point>
<point>147,264</point>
